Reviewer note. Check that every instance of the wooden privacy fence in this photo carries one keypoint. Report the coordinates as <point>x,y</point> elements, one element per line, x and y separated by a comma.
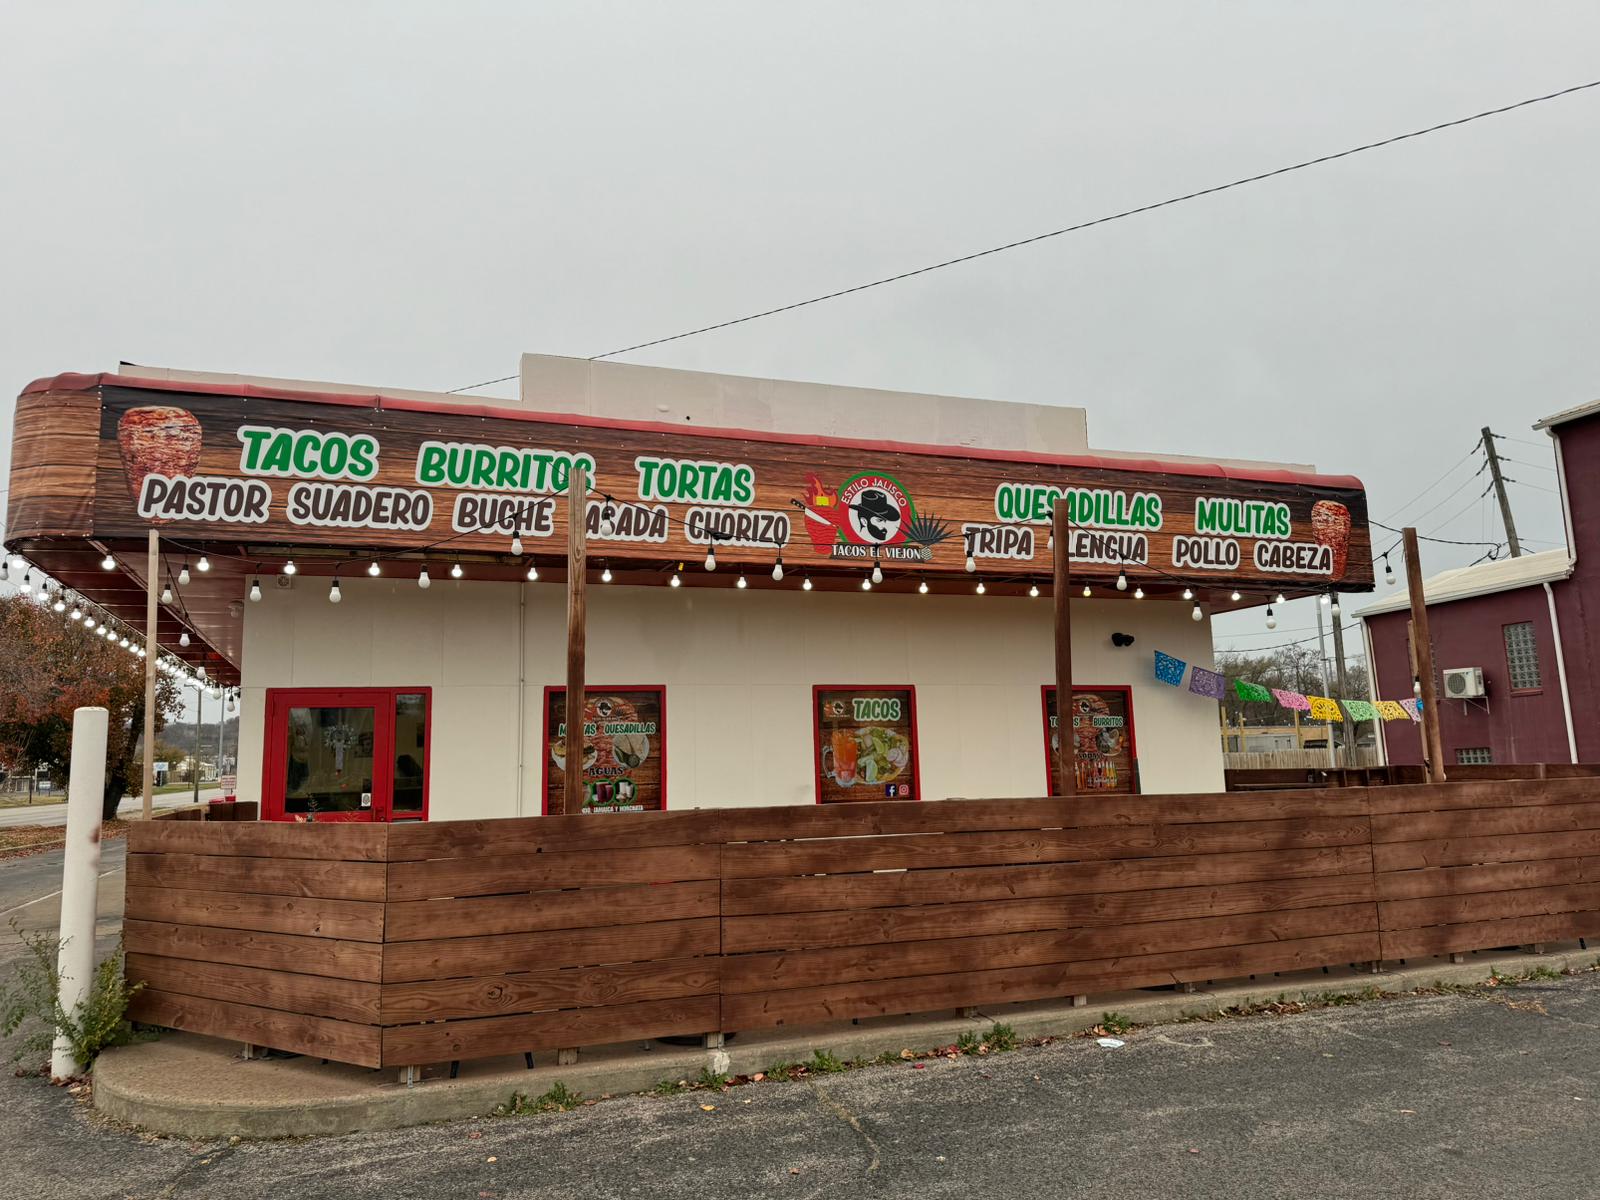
<point>410,944</point>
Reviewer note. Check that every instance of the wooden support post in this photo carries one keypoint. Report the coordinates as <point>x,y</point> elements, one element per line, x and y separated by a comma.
<point>410,1076</point>
<point>1423,645</point>
<point>152,658</point>
<point>712,1041</point>
<point>969,1013</point>
<point>577,628</point>
<point>1187,986</point>
<point>1457,957</point>
<point>567,1057</point>
<point>1068,784</point>
<point>1080,1002</point>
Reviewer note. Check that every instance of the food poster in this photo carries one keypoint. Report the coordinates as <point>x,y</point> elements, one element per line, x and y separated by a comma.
<point>1102,732</point>
<point>624,745</point>
<point>866,744</point>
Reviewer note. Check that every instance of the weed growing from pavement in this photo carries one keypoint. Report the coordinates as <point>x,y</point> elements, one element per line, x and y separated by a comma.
<point>1115,1022</point>
<point>560,1098</point>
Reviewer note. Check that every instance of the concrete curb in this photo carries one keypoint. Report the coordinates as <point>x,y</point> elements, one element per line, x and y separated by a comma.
<point>191,1086</point>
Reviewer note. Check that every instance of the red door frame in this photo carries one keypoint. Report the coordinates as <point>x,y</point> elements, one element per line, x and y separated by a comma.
<point>275,765</point>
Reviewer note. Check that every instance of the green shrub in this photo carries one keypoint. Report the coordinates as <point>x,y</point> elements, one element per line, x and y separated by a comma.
<point>560,1098</point>
<point>1115,1022</point>
<point>1002,1037</point>
<point>31,1012</point>
<point>823,1063</point>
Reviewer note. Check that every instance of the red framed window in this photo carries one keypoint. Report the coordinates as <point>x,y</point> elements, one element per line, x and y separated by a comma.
<point>1107,756</point>
<point>346,754</point>
<point>625,748</point>
<point>864,743</point>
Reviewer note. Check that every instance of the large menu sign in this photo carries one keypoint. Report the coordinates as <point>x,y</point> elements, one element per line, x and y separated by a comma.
<point>624,749</point>
<point>1104,752</point>
<point>271,471</point>
<point>866,744</point>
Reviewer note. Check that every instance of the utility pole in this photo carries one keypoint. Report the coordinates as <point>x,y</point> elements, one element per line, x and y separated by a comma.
<point>199,707</point>
<point>1500,492</point>
<point>1322,658</point>
<point>1344,692</point>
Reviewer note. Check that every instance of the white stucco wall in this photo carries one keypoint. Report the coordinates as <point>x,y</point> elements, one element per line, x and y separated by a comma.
<point>738,667</point>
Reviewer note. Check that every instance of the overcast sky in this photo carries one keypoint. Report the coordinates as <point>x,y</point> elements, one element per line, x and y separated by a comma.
<point>412,194</point>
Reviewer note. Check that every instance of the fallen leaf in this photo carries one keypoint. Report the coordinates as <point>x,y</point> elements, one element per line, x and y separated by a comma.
<point>758,1077</point>
<point>475,1134</point>
<point>708,1108</point>
<point>491,1158</point>
<point>938,1158</point>
<point>917,1066</point>
<point>907,1054</point>
<point>794,1170</point>
<point>1194,1150</point>
<point>1412,1111</point>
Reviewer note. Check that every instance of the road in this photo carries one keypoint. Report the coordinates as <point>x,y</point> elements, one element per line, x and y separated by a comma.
<point>56,814</point>
<point>1443,1096</point>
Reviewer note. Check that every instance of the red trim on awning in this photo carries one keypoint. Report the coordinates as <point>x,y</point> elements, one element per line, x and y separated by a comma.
<point>74,382</point>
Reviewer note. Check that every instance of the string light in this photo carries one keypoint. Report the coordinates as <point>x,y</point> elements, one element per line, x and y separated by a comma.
<point>1122,581</point>
<point>423,581</point>
<point>777,568</point>
<point>183,575</point>
<point>455,570</point>
<point>1327,598</point>
<point>27,582</point>
<point>288,566</point>
<point>605,576</point>
<point>608,520</point>
<point>123,643</point>
<point>675,581</point>
<point>5,569</point>
<point>866,585</point>
<point>1196,614</point>
<point>805,584</point>
<point>1416,686</point>
<point>972,563</point>
<point>373,569</point>
<point>334,595</point>
<point>1334,608</point>
<point>1033,590</point>
<point>1235,596</point>
<point>1278,599</point>
<point>1138,593</point>
<point>183,638</point>
<point>877,571</point>
<point>923,587</point>
<point>533,573</point>
<point>76,614</point>
<point>980,589</point>
<point>1188,593</point>
<point>711,556</point>
<point>1272,621</point>
<point>1388,571</point>
<point>204,564</point>
<point>166,594</point>
<point>516,542</point>
<point>255,590</point>
<point>1087,591</point>
<point>108,563</point>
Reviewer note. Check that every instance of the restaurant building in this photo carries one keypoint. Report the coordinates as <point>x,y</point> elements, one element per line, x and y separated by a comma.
<point>797,593</point>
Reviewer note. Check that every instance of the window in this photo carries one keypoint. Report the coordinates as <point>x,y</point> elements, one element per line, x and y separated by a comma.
<point>1467,755</point>
<point>1522,657</point>
<point>865,743</point>
<point>346,754</point>
<point>1104,755</point>
<point>624,749</point>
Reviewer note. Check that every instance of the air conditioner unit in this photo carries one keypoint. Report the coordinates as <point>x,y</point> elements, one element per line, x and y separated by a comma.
<point>1463,683</point>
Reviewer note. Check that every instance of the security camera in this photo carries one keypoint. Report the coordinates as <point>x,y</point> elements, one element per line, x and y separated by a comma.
<point>1122,639</point>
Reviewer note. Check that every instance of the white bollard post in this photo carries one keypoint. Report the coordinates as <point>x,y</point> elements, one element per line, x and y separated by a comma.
<point>80,874</point>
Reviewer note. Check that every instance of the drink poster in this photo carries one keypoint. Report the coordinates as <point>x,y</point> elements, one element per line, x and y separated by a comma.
<point>1102,732</point>
<point>624,749</point>
<point>866,744</point>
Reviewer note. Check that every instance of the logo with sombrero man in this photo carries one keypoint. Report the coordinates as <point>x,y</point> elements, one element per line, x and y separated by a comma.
<point>870,515</point>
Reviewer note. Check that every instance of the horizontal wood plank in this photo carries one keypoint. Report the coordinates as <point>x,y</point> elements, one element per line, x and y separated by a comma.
<point>1485,822</point>
<point>1488,906</point>
<point>1486,935</point>
<point>1464,851</point>
<point>353,920</point>
<point>538,991</point>
<point>449,958</point>
<point>340,1041</point>
<point>815,893</point>
<point>1490,877</point>
<point>497,874</point>
<point>579,909</point>
<point>536,835</point>
<point>265,876</point>
<point>439,1041</point>
<point>343,842</point>
<point>283,991</point>
<point>277,951</point>
<point>1451,797</point>
<point>980,849</point>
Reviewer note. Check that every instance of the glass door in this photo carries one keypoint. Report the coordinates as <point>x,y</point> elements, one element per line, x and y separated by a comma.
<point>357,754</point>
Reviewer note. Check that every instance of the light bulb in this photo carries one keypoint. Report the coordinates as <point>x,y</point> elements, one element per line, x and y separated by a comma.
<point>1087,591</point>
<point>533,573</point>
<point>711,558</point>
<point>123,643</point>
<point>1416,687</point>
<point>1196,614</point>
<point>1050,541</point>
<point>605,577</point>
<point>60,605</point>
<point>980,589</point>
<point>1335,608</point>
<point>1138,593</point>
<point>1033,589</point>
<point>108,563</point>
<point>777,570</point>
<point>1188,593</point>
<point>866,585</point>
<point>455,571</point>
<point>100,628</point>
<point>5,569</point>
<point>166,594</point>
<point>742,582</point>
<point>373,569</point>
<point>1326,598</point>
<point>972,563</point>
<point>27,583</point>
<point>805,584</point>
<point>608,521</point>
<point>1272,621</point>
<point>1388,571</point>
<point>1122,581</point>
<point>76,614</point>
<point>183,638</point>
<point>1278,599</point>
<point>923,587</point>
<point>1234,595</point>
<point>288,566</point>
<point>204,564</point>
<point>334,595</point>
<point>516,544</point>
<point>877,573</point>
<point>183,575</point>
<point>255,589</point>
<point>423,581</point>
<point>674,581</point>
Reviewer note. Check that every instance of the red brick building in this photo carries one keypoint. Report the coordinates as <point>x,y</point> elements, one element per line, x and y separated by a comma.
<point>1529,624</point>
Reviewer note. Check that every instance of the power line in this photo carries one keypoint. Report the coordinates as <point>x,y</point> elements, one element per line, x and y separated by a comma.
<point>1118,216</point>
<point>1451,470</point>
